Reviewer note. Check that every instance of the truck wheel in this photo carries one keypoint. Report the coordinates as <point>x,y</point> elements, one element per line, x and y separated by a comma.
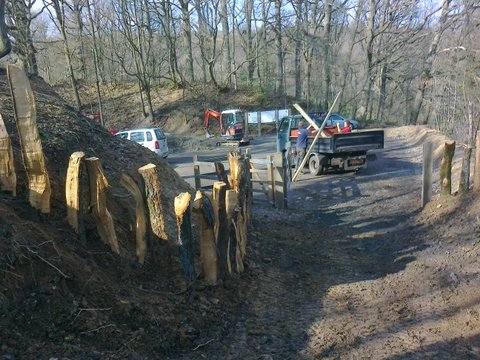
<point>316,168</point>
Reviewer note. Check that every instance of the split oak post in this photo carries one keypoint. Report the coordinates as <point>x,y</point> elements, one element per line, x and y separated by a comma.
<point>446,168</point>
<point>184,233</point>
<point>464,185</point>
<point>196,173</point>
<point>280,181</point>
<point>427,169</point>
<point>73,194</point>
<point>221,230</point>
<point>271,179</point>
<point>98,203</point>
<point>8,174</point>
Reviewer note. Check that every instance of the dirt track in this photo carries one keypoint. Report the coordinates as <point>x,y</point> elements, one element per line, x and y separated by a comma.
<point>350,271</point>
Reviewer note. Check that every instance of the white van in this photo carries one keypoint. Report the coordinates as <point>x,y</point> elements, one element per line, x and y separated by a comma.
<point>152,138</point>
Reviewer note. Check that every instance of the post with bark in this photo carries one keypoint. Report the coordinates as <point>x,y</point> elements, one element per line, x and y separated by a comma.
<point>231,202</point>
<point>75,208</point>
<point>221,173</point>
<point>271,179</point>
<point>476,170</point>
<point>427,173</point>
<point>33,157</point>
<point>465,173</point>
<point>248,169</point>
<point>446,168</point>
<point>8,174</point>
<point>280,181</point>
<point>221,229</point>
<point>153,193</point>
<point>98,203</point>
<point>184,235</point>
<point>140,216</point>
<point>196,173</point>
<point>203,208</point>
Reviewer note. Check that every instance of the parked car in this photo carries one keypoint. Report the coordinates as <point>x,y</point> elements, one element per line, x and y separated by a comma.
<point>334,119</point>
<point>152,138</point>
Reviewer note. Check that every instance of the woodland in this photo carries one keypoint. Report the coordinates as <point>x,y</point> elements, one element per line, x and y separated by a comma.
<point>394,62</point>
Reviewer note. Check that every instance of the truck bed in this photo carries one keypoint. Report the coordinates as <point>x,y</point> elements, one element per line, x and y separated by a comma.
<point>357,141</point>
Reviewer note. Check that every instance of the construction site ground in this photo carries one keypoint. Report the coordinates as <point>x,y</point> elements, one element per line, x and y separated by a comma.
<point>353,269</point>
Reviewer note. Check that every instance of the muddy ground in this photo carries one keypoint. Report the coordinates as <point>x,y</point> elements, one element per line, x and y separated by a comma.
<point>353,269</point>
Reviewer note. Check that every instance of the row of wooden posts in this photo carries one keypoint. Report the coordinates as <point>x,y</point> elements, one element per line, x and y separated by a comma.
<point>446,169</point>
<point>223,217</point>
<point>271,174</point>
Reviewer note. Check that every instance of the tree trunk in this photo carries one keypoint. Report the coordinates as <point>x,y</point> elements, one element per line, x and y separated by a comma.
<point>5,45</point>
<point>298,49</point>
<point>187,39</point>
<point>248,24</point>
<point>278,49</point>
<point>98,204</point>
<point>29,137</point>
<point>227,58</point>
<point>446,168</point>
<point>326,53</point>
<point>183,215</point>
<point>428,64</point>
<point>476,169</point>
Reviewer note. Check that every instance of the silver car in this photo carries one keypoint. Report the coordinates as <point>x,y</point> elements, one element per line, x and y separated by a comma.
<point>152,138</point>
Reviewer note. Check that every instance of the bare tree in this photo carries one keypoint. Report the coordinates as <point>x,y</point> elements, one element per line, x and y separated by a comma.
<point>5,45</point>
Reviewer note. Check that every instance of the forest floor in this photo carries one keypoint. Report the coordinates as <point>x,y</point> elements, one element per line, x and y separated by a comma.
<point>354,268</point>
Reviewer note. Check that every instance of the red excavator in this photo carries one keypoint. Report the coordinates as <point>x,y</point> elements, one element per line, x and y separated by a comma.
<point>231,124</point>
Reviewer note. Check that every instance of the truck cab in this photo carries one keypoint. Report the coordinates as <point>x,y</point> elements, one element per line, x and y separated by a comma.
<point>345,151</point>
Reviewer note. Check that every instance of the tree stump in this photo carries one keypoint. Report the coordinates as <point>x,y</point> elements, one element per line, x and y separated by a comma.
<point>222,230</point>
<point>73,194</point>
<point>8,174</point>
<point>153,193</point>
<point>32,152</point>
<point>140,216</point>
<point>184,238</point>
<point>465,172</point>
<point>203,208</point>
<point>98,203</point>
<point>446,168</point>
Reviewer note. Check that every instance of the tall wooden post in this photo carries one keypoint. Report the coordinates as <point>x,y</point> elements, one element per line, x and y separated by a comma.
<point>98,203</point>
<point>221,173</point>
<point>248,167</point>
<point>196,173</point>
<point>222,233</point>
<point>153,192</point>
<point>446,168</point>
<point>140,216</point>
<point>231,202</point>
<point>271,179</point>
<point>8,174</point>
<point>259,123</point>
<point>203,207</point>
<point>465,173</point>
<point>427,173</point>
<point>73,194</point>
<point>280,181</point>
<point>476,170</point>
<point>33,158</point>
<point>184,238</point>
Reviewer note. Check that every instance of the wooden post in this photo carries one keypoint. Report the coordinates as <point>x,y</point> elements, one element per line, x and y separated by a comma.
<point>248,166</point>
<point>29,137</point>
<point>271,179</point>
<point>8,174</point>
<point>196,173</point>
<point>140,216</point>
<point>280,181</point>
<point>73,194</point>
<point>153,192</point>
<point>203,207</point>
<point>465,173</point>
<point>222,233</point>
<point>221,173</point>
<point>98,203</point>
<point>476,169</point>
<point>184,238</point>
<point>259,123</point>
<point>427,173</point>
<point>231,201</point>
<point>446,168</point>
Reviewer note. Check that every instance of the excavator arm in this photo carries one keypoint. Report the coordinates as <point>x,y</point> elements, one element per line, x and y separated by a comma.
<point>208,114</point>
